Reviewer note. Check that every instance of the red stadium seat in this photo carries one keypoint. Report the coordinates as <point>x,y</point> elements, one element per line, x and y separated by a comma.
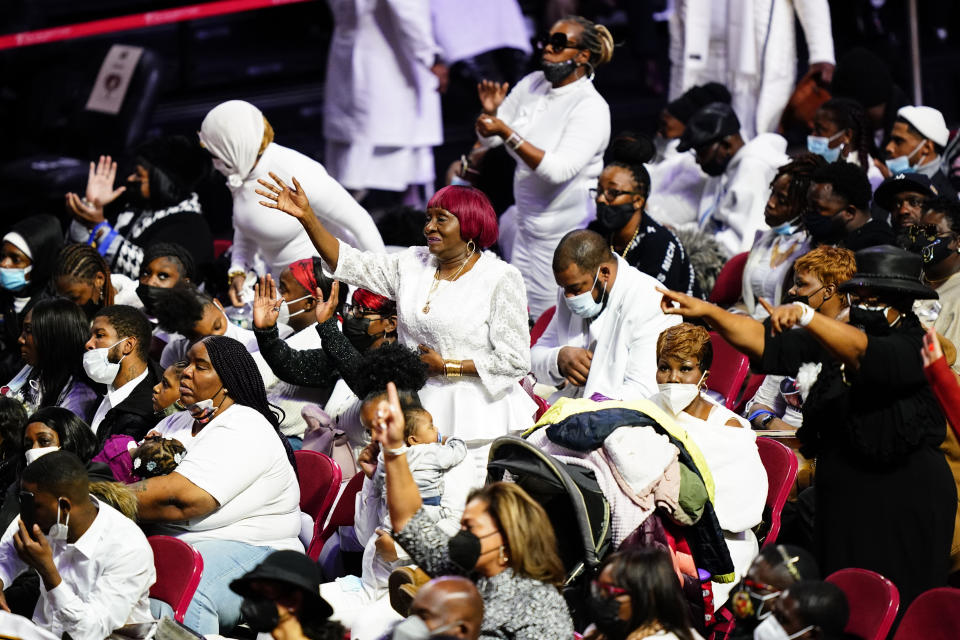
<point>179,567</point>
<point>873,601</point>
<point>781,464</point>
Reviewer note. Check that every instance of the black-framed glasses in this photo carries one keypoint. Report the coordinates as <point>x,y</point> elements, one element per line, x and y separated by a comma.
<point>358,311</point>
<point>558,42</point>
<point>611,194</point>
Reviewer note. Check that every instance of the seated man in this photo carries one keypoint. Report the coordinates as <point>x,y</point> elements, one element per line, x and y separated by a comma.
<point>904,196</point>
<point>839,212</point>
<point>603,336</point>
<point>95,565</point>
<point>117,357</point>
<point>448,606</point>
<point>916,145</point>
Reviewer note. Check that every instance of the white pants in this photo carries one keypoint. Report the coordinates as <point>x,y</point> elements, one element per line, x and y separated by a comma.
<point>534,258</point>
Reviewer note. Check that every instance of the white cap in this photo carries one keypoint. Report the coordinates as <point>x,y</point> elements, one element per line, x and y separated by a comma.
<point>928,121</point>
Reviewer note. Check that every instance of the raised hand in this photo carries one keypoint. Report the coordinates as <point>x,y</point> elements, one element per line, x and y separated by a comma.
<point>326,308</point>
<point>292,201</point>
<point>491,95</point>
<point>388,423</point>
<point>266,303</point>
<point>100,180</point>
<point>87,214</point>
<point>676,303</point>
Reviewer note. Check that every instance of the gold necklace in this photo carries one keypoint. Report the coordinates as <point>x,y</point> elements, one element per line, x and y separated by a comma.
<point>437,279</point>
<point>627,247</point>
<point>778,257</point>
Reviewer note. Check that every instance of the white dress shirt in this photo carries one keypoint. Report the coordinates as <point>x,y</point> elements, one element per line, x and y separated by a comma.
<point>106,577</point>
<point>114,397</point>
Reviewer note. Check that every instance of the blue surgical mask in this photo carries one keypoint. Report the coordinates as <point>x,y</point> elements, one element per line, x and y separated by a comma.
<point>583,304</point>
<point>788,228</point>
<point>14,279</point>
<point>901,164</point>
<point>821,146</point>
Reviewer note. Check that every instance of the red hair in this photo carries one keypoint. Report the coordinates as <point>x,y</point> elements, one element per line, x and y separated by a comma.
<point>374,302</point>
<point>478,221</point>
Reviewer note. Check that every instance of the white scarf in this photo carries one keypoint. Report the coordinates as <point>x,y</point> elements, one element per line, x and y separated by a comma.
<point>232,131</point>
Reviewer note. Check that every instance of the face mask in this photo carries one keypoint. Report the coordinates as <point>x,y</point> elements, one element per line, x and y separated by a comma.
<point>901,164</point>
<point>464,549</point>
<point>414,628</point>
<point>356,330</point>
<point>583,304</point>
<point>873,320</point>
<point>285,315</point>
<point>771,629</point>
<point>823,229</point>
<point>150,297</point>
<point>613,217</point>
<point>97,365</point>
<point>31,455</point>
<point>260,614</point>
<point>938,251</point>
<point>679,396</point>
<point>794,297</point>
<point>787,228</point>
<point>748,605</point>
<point>203,410</point>
<point>557,71</point>
<point>14,279</point>
<point>821,146</point>
<point>58,532</point>
<point>713,168</point>
<point>605,613</point>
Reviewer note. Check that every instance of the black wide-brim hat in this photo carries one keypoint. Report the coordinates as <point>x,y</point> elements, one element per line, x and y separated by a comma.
<point>889,269</point>
<point>292,568</point>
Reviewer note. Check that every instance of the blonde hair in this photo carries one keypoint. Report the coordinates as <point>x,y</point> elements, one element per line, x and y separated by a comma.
<point>530,540</point>
<point>686,341</point>
<point>267,136</point>
<point>595,38</point>
<point>829,265</point>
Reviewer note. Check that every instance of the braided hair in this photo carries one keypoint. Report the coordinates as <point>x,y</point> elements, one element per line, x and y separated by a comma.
<point>82,262</point>
<point>595,38</point>
<point>847,113</point>
<point>800,171</point>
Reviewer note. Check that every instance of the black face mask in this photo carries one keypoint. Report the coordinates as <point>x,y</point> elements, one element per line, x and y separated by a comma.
<point>464,550</point>
<point>790,298</point>
<point>605,613</point>
<point>150,297</point>
<point>557,71</point>
<point>356,330</point>
<point>872,322</point>
<point>824,229</point>
<point>713,167</point>
<point>260,614</point>
<point>937,251</point>
<point>613,217</point>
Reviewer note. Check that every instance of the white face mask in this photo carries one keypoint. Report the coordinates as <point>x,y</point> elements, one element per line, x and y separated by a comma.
<point>31,455</point>
<point>58,532</point>
<point>771,629</point>
<point>284,313</point>
<point>678,396</point>
<point>96,363</point>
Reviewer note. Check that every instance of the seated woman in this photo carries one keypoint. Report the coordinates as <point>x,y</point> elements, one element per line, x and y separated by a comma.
<point>160,205</point>
<point>506,543</point>
<point>164,266</point>
<point>52,343</point>
<point>621,196</point>
<point>82,275</point>
<point>462,307</point>
<point>840,132</point>
<point>638,595</point>
<point>769,263</point>
<point>27,255</point>
<point>873,457</point>
<point>684,357</point>
<point>232,505</point>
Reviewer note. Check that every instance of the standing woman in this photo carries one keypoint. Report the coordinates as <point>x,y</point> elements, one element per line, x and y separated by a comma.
<point>556,125</point>
<point>462,307</point>
<point>240,140</point>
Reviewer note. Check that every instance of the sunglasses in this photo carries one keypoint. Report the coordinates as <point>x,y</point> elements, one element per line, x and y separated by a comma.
<point>557,41</point>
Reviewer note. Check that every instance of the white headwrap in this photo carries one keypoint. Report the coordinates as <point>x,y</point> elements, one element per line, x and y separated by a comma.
<point>19,242</point>
<point>232,131</point>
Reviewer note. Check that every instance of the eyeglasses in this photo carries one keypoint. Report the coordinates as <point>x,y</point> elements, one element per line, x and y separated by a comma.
<point>357,311</point>
<point>913,201</point>
<point>601,589</point>
<point>611,194</point>
<point>557,41</point>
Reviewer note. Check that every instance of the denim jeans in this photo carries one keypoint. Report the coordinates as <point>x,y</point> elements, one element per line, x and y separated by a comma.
<point>215,608</point>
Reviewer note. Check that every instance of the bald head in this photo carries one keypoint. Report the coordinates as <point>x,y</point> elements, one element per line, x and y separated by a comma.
<point>586,249</point>
<point>452,602</point>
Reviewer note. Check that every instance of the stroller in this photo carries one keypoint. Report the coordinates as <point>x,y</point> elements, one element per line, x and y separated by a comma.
<point>574,503</point>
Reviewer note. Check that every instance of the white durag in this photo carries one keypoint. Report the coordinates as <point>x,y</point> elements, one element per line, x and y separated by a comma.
<point>232,131</point>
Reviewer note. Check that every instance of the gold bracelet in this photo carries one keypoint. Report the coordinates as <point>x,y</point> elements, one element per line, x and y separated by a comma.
<point>231,275</point>
<point>453,368</point>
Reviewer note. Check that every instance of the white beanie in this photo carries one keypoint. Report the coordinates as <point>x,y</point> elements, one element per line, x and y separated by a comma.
<point>928,121</point>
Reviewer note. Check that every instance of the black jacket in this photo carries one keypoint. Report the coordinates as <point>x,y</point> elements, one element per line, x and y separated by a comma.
<point>134,416</point>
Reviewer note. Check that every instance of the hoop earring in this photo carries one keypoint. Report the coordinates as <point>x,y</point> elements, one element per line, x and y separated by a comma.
<point>471,246</point>
<point>504,559</point>
<point>591,73</point>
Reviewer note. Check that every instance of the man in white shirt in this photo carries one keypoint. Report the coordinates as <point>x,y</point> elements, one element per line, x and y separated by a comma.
<point>117,356</point>
<point>735,195</point>
<point>95,565</point>
<point>603,336</point>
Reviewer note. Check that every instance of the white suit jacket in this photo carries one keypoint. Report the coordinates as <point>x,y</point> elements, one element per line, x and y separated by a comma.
<point>623,339</point>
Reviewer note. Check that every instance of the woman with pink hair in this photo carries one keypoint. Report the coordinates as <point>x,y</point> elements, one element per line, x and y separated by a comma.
<point>461,306</point>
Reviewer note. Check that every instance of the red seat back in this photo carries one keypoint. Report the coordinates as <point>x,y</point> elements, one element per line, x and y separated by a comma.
<point>729,285</point>
<point>873,601</point>
<point>781,464</point>
<point>179,567</point>
<point>729,370</point>
<point>342,516</point>
<point>319,482</point>
<point>541,325</point>
<point>934,615</point>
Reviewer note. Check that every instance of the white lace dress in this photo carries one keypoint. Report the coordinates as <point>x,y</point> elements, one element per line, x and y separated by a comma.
<point>481,316</point>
